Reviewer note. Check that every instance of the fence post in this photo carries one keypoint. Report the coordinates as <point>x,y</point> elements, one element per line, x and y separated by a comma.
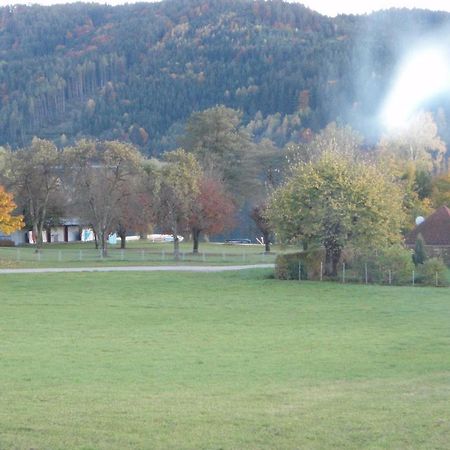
<point>390,276</point>
<point>299,271</point>
<point>343,272</point>
<point>59,255</point>
<point>365,273</point>
<point>321,270</point>
<point>121,254</point>
<point>413,278</point>
<point>142,254</point>
<point>437,280</point>
<point>203,257</point>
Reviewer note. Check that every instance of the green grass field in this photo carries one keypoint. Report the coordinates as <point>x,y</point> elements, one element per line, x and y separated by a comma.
<point>221,361</point>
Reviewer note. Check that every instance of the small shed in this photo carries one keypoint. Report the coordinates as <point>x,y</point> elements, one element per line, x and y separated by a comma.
<point>435,231</point>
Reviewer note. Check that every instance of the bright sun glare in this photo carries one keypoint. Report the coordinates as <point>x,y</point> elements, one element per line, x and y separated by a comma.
<point>422,75</point>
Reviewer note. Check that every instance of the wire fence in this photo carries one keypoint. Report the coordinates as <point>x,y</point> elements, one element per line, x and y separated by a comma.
<point>132,255</point>
<point>366,274</point>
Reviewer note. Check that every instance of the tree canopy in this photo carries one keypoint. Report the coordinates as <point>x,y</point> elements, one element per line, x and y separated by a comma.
<point>336,202</point>
<point>8,222</point>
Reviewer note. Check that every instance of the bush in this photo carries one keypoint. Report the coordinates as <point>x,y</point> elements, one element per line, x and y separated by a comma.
<point>433,272</point>
<point>287,265</point>
<point>398,260</point>
<point>395,259</point>
<point>6,243</point>
<point>420,255</point>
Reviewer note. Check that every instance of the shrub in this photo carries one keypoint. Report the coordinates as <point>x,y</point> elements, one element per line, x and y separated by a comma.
<point>398,260</point>
<point>433,272</point>
<point>6,243</point>
<point>420,255</point>
<point>287,265</point>
<point>395,259</point>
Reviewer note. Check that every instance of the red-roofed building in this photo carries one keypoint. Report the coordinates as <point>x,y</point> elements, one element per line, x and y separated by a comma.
<point>435,231</point>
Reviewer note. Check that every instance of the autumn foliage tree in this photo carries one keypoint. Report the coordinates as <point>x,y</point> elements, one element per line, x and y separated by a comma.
<point>8,222</point>
<point>212,211</point>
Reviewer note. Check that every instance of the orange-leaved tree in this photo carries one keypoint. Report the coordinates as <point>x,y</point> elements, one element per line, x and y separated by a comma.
<point>8,222</point>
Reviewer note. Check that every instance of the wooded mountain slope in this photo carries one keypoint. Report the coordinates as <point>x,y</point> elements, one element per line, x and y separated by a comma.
<point>136,72</point>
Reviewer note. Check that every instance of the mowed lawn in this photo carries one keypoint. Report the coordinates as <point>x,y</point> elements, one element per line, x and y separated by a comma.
<point>221,361</point>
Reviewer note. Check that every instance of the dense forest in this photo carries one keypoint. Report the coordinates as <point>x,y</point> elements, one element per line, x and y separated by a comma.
<point>137,72</point>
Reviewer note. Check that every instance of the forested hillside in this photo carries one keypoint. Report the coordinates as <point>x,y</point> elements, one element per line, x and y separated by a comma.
<point>137,72</point>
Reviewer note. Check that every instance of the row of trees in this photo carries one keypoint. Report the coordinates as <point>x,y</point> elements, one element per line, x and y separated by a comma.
<point>111,187</point>
<point>328,191</point>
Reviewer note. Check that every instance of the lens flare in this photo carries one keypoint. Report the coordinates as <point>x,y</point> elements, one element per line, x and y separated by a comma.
<point>423,75</point>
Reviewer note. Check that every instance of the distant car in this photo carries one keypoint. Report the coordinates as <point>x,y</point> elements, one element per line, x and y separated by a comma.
<point>238,241</point>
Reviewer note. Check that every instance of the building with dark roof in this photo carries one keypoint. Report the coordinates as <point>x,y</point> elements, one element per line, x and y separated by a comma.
<point>435,232</point>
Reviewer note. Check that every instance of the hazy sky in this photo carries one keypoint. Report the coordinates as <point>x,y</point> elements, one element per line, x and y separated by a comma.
<point>328,7</point>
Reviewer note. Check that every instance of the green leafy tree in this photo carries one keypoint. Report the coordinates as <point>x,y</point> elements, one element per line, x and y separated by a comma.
<point>441,190</point>
<point>34,175</point>
<point>179,187</point>
<point>335,202</point>
<point>224,149</point>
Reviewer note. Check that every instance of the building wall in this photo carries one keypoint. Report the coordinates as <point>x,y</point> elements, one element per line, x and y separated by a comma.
<point>442,251</point>
<point>18,237</point>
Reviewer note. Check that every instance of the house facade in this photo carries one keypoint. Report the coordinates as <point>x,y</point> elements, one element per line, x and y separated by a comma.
<point>435,232</point>
<point>68,230</point>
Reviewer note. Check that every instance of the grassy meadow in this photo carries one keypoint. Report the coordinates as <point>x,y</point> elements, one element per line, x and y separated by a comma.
<point>221,361</point>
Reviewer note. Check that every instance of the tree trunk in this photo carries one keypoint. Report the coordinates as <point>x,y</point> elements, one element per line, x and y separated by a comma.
<point>95,239</point>
<point>266,238</point>
<point>37,235</point>
<point>103,244</point>
<point>122,233</point>
<point>195,239</point>
<point>176,248</point>
<point>332,257</point>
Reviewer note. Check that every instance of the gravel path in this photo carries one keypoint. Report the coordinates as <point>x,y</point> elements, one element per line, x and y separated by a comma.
<point>138,269</point>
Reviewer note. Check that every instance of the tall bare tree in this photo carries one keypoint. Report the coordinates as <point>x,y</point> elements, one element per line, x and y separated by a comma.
<point>100,172</point>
